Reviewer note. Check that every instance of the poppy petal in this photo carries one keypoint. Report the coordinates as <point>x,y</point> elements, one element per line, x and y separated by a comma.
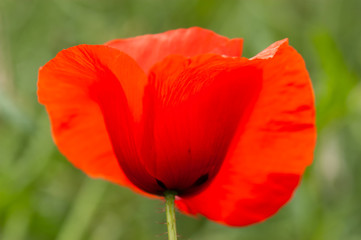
<point>269,154</point>
<point>152,48</point>
<point>87,90</point>
<point>197,106</point>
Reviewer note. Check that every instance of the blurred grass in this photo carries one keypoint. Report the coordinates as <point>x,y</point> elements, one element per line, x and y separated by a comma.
<point>43,197</point>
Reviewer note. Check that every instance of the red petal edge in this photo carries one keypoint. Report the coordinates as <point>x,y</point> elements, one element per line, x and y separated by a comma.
<point>271,152</point>
<point>152,48</point>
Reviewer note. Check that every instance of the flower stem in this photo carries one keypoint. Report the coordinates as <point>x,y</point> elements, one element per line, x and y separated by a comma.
<point>170,211</point>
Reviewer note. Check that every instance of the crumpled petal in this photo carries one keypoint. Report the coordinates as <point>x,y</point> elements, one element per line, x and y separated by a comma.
<point>270,152</point>
<point>194,108</point>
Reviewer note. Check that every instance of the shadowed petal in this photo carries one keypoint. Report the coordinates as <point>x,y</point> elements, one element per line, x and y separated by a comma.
<point>268,154</point>
<point>195,107</point>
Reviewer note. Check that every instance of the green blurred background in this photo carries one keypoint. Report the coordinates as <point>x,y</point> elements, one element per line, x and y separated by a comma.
<point>42,196</point>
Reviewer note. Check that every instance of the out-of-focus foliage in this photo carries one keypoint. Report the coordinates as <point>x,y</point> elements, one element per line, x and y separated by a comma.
<point>42,196</point>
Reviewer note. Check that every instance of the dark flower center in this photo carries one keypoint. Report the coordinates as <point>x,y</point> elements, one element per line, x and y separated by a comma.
<point>200,181</point>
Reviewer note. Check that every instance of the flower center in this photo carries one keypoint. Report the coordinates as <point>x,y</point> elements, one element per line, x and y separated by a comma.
<point>199,182</point>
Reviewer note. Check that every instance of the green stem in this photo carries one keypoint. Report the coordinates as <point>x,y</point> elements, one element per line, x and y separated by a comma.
<point>170,211</point>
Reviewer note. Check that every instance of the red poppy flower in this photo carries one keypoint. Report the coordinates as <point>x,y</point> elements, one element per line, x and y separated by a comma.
<point>183,111</point>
